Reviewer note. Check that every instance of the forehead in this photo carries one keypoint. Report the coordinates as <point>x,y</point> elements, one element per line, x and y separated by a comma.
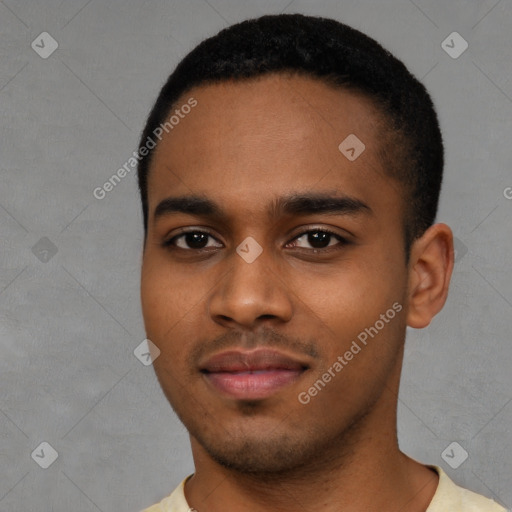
<point>247,140</point>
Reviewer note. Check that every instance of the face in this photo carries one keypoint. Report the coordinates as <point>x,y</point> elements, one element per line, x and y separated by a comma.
<point>274,275</point>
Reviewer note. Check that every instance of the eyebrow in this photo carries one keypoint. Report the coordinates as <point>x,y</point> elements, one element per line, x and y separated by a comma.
<point>293,204</point>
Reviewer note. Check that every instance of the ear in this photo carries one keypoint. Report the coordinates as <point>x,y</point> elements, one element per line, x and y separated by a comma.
<point>430,270</point>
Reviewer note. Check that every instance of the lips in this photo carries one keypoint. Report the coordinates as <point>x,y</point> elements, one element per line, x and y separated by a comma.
<point>251,375</point>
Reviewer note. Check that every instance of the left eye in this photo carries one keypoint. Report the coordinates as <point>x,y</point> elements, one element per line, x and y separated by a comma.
<point>318,239</point>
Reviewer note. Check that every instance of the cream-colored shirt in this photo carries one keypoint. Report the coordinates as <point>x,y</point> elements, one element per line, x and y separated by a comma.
<point>448,497</point>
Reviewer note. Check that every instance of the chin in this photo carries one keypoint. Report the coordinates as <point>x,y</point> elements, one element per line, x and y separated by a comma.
<point>264,449</point>
<point>260,458</point>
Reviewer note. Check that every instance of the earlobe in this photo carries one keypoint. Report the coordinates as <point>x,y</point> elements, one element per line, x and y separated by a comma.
<point>430,270</point>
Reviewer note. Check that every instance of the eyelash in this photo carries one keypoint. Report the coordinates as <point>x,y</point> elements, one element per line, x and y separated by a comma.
<point>169,244</point>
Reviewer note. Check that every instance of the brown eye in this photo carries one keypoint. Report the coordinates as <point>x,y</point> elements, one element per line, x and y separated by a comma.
<point>318,239</point>
<point>191,240</point>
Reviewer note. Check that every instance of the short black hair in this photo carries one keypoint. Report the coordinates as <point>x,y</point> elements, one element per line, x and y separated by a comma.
<point>343,57</point>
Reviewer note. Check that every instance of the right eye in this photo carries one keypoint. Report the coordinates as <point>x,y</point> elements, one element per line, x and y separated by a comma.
<point>191,240</point>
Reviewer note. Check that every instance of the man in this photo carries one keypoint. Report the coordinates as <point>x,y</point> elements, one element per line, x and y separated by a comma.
<point>290,179</point>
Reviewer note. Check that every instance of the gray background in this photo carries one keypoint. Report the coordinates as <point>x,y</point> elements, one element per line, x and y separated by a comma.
<point>70,321</point>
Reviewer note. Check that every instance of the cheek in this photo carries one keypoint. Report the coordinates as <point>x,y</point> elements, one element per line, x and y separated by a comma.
<point>355,291</point>
<point>350,300</point>
<point>168,310</point>
<point>166,300</point>
<point>361,350</point>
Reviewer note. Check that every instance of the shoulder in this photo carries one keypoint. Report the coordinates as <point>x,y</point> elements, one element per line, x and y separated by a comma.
<point>175,502</point>
<point>449,496</point>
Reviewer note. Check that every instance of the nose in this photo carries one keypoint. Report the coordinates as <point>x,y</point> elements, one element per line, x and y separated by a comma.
<point>249,294</point>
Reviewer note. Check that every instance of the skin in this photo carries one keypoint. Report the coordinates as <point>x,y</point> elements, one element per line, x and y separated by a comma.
<point>243,146</point>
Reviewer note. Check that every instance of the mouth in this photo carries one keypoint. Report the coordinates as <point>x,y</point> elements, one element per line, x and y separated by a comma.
<point>252,375</point>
